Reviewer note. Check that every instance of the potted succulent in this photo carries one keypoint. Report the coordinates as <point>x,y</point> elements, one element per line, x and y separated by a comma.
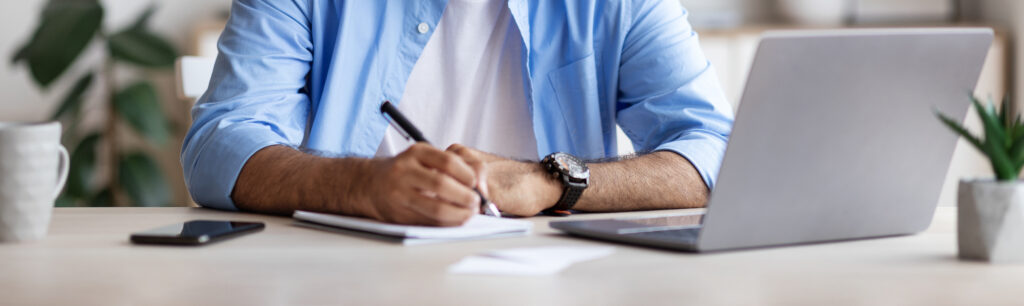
<point>990,214</point>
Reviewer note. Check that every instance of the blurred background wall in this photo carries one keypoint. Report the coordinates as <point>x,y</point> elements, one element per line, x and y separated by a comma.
<point>21,100</point>
<point>177,20</point>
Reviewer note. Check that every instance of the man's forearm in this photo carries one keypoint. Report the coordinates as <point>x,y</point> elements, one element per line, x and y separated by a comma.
<point>421,186</point>
<point>280,180</point>
<point>660,180</point>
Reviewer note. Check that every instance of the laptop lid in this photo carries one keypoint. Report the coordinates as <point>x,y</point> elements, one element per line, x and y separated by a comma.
<point>836,137</point>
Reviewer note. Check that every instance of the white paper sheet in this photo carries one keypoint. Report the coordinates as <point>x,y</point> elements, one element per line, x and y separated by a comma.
<point>528,261</point>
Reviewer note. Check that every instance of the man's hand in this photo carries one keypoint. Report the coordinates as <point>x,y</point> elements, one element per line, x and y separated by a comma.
<point>518,188</point>
<point>422,186</point>
<point>521,188</point>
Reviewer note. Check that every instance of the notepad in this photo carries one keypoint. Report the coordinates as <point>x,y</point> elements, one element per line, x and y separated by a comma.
<point>478,227</point>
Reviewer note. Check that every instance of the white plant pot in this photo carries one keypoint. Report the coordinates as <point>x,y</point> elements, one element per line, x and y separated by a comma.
<point>991,221</point>
<point>815,12</point>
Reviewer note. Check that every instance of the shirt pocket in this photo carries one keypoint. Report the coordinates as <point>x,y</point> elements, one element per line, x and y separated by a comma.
<point>576,90</point>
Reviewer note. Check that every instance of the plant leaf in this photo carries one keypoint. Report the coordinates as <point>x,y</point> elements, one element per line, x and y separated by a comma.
<point>996,142</point>
<point>64,200</point>
<point>1005,169</point>
<point>1003,141</point>
<point>1004,112</point>
<point>993,129</point>
<point>143,181</point>
<point>21,55</point>
<point>73,100</point>
<point>66,27</point>
<point>83,166</point>
<point>1007,123</point>
<point>142,22</point>
<point>1017,153</point>
<point>138,104</point>
<point>103,198</point>
<point>1018,127</point>
<point>956,127</point>
<point>141,47</point>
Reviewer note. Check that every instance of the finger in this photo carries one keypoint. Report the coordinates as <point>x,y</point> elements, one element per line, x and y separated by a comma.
<point>435,212</point>
<point>482,186</point>
<point>474,160</point>
<point>417,209</point>
<point>448,163</point>
<point>484,156</point>
<point>444,187</point>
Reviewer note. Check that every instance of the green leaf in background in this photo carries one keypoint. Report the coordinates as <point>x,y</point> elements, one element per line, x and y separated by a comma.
<point>22,54</point>
<point>103,198</point>
<point>955,126</point>
<point>141,47</point>
<point>142,22</point>
<point>996,142</point>
<point>66,27</point>
<point>73,100</point>
<point>83,167</point>
<point>139,105</point>
<point>1003,141</point>
<point>64,200</point>
<point>143,181</point>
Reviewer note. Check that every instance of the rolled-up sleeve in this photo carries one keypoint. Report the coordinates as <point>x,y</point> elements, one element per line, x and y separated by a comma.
<point>256,98</point>
<point>669,95</point>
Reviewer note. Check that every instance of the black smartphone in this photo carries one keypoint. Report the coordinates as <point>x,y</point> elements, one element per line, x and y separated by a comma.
<point>196,232</point>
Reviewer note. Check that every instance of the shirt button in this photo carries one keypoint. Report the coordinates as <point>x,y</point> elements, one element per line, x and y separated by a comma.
<point>423,28</point>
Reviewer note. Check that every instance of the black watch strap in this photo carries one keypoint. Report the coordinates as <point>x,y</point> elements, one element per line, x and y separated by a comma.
<point>574,176</point>
<point>570,196</point>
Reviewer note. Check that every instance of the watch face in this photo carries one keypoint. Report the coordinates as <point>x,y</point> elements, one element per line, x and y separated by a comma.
<point>572,166</point>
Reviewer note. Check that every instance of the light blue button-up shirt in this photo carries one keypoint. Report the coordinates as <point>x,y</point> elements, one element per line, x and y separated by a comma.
<point>313,73</point>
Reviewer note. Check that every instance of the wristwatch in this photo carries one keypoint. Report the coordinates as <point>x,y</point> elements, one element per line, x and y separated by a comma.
<point>574,175</point>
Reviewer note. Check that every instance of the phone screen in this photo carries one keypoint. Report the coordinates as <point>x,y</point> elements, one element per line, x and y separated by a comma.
<point>195,232</point>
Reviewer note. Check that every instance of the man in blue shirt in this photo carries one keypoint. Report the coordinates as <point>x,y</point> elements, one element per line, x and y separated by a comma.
<point>291,119</point>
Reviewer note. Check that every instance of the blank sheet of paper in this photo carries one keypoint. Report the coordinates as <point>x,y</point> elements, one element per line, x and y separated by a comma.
<point>528,261</point>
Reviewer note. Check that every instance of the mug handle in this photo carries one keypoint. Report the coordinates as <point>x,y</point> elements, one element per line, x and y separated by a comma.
<point>65,165</point>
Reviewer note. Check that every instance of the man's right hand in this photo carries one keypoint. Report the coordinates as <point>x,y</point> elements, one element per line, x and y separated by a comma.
<point>421,186</point>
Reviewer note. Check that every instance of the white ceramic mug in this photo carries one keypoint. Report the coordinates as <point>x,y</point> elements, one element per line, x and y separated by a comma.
<point>33,170</point>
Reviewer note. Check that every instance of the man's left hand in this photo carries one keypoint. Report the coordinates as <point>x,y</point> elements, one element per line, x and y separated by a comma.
<point>517,188</point>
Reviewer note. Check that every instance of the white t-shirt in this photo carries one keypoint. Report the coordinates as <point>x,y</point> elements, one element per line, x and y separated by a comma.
<point>467,85</point>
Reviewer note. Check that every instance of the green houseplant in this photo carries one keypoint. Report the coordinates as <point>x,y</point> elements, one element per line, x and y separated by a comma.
<point>991,212</point>
<point>66,28</point>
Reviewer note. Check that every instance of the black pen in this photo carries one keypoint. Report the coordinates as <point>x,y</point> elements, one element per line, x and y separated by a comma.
<point>407,129</point>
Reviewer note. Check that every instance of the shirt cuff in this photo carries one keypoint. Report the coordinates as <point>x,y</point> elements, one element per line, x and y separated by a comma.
<point>219,163</point>
<point>703,151</point>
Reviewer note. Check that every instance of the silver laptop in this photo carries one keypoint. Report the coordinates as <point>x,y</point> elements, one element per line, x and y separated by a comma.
<point>835,139</point>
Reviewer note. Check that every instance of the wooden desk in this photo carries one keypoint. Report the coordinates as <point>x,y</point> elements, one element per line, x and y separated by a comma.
<point>87,260</point>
